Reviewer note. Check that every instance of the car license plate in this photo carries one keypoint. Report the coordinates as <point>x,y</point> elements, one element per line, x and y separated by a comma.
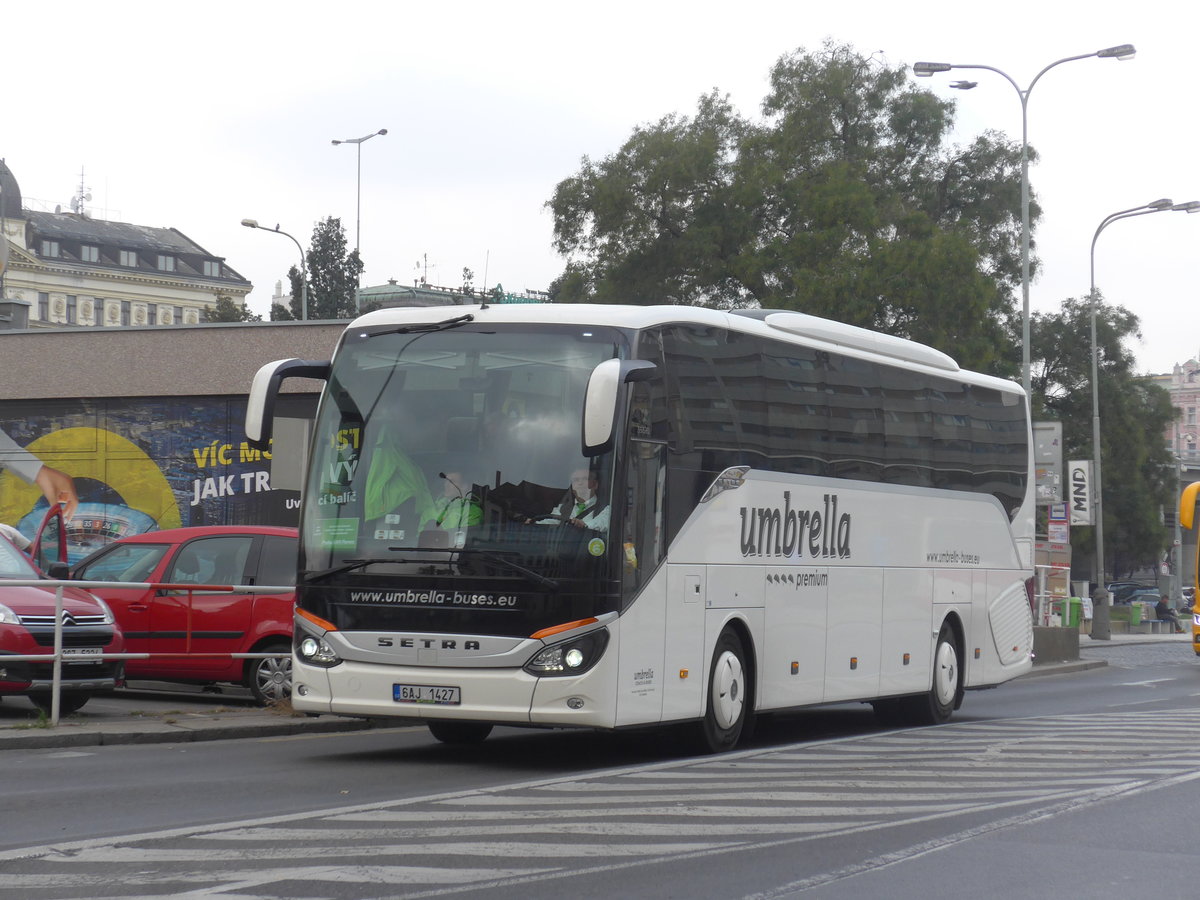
<point>425,693</point>
<point>87,654</point>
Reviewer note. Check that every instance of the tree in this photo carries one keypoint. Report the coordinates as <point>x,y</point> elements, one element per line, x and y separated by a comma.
<point>332,275</point>
<point>842,202</point>
<point>225,310</point>
<point>1138,483</point>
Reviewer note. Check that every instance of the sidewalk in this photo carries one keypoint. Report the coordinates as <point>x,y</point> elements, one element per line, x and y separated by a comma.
<point>1092,652</point>
<point>221,721</point>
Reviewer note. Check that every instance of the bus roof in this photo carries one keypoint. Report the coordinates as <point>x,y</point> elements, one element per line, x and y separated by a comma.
<point>786,325</point>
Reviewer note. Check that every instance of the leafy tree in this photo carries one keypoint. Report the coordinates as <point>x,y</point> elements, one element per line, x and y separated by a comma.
<point>843,202</point>
<point>1137,479</point>
<point>333,275</point>
<point>225,310</point>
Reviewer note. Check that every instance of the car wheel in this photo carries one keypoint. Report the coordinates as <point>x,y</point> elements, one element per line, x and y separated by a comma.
<point>460,732</point>
<point>729,710</point>
<point>68,702</point>
<point>270,680</point>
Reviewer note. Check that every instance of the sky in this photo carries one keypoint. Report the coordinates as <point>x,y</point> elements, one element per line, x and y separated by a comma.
<point>198,116</point>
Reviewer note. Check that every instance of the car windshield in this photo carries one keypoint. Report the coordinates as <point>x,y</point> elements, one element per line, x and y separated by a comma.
<point>13,563</point>
<point>463,444</point>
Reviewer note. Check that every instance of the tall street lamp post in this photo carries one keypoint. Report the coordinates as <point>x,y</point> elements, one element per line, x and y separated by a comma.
<point>1146,209</point>
<point>358,142</point>
<point>926,69</point>
<point>252,223</point>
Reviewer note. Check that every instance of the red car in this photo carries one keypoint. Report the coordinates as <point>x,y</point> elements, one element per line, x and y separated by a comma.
<point>27,628</point>
<point>158,621</point>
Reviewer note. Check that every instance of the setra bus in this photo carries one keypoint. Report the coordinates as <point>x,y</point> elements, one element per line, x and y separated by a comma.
<point>611,517</point>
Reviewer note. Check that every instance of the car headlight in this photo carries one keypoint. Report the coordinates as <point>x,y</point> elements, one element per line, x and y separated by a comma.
<point>316,651</point>
<point>109,618</point>
<point>570,657</point>
<point>8,617</point>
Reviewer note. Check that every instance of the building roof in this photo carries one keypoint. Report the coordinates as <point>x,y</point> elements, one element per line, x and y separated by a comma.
<point>72,229</point>
<point>10,194</point>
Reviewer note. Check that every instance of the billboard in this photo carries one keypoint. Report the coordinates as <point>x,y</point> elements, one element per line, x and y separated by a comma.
<point>139,464</point>
<point>1079,490</point>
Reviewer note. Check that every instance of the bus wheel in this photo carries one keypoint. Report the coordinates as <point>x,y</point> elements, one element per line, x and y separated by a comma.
<point>728,710</point>
<point>938,705</point>
<point>460,732</point>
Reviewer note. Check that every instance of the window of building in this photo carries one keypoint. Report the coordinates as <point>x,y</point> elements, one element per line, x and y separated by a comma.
<point>89,253</point>
<point>43,312</point>
<point>1191,415</point>
<point>49,248</point>
<point>212,268</point>
<point>129,258</point>
<point>166,263</point>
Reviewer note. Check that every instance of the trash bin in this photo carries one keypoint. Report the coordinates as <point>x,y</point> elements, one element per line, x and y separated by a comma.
<point>1074,606</point>
<point>1135,614</point>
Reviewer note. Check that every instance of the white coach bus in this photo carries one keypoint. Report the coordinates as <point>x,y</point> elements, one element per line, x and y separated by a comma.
<point>611,517</point>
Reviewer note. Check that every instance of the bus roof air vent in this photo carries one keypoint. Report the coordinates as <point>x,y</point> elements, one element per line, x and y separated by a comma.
<point>860,339</point>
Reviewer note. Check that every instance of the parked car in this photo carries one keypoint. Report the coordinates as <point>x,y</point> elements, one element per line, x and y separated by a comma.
<point>1122,590</point>
<point>1145,596</point>
<point>203,627</point>
<point>27,616</point>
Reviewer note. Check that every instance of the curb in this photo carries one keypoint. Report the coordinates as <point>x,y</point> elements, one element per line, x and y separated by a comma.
<point>1063,668</point>
<point>67,735</point>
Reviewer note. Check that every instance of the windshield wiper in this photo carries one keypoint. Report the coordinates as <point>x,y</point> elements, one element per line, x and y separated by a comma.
<point>535,577</point>
<point>348,566</point>
<point>429,326</point>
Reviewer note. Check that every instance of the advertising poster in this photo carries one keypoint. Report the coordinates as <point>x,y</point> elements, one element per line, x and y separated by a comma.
<point>137,465</point>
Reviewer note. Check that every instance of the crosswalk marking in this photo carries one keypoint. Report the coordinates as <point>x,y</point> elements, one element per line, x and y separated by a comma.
<point>1003,773</point>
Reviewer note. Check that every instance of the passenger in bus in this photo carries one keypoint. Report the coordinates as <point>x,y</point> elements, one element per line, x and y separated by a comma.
<point>581,507</point>
<point>585,509</point>
<point>396,485</point>
<point>457,507</point>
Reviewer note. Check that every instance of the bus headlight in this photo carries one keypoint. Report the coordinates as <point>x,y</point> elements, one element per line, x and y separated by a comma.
<point>316,652</point>
<point>570,657</point>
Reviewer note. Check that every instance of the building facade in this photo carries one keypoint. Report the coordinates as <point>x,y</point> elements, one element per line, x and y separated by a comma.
<point>68,269</point>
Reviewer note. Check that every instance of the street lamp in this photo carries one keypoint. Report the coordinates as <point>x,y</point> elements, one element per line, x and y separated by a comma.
<point>1155,206</point>
<point>926,69</point>
<point>358,142</point>
<point>253,223</point>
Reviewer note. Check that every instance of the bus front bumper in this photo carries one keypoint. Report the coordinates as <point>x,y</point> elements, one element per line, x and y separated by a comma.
<point>474,695</point>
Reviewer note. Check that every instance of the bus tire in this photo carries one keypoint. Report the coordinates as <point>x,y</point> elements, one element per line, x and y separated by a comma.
<point>459,732</point>
<point>728,707</point>
<point>945,694</point>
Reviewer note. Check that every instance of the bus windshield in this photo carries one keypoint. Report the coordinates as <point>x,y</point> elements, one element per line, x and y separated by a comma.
<point>456,450</point>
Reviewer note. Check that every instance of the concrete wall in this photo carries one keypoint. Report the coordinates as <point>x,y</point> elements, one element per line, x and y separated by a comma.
<point>1051,645</point>
<point>161,361</point>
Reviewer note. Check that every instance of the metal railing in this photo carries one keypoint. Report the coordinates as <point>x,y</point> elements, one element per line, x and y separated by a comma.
<point>1044,600</point>
<point>60,654</point>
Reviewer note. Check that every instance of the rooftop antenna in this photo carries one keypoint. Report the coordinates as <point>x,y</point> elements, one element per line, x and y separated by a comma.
<point>82,196</point>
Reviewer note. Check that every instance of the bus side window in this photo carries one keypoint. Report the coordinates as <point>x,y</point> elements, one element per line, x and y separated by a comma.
<point>644,540</point>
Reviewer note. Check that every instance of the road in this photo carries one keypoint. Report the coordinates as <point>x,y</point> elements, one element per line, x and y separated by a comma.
<point>1076,785</point>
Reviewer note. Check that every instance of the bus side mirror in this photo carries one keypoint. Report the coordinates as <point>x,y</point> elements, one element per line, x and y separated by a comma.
<point>600,400</point>
<point>260,408</point>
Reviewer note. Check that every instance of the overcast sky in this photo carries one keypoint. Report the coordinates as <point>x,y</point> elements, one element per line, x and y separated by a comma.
<point>196,116</point>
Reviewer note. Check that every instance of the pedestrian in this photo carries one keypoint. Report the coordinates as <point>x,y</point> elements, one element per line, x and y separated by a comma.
<point>1164,613</point>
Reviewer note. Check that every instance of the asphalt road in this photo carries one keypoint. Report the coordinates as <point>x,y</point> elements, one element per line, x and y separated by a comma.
<point>1080,784</point>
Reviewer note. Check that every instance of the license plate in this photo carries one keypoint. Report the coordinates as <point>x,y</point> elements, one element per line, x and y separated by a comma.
<point>425,693</point>
<point>88,654</point>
